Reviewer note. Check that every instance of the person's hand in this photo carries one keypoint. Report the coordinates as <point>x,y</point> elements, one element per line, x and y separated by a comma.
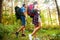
<point>25,18</point>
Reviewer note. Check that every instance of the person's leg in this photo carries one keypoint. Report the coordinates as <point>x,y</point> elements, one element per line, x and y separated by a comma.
<point>35,30</point>
<point>23,23</point>
<point>23,26</point>
<point>37,26</point>
<point>21,29</point>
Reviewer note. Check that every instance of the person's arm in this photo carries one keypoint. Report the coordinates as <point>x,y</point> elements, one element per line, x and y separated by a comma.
<point>25,12</point>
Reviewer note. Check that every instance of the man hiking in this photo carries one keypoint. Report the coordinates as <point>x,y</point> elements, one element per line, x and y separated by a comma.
<point>33,13</point>
<point>22,17</point>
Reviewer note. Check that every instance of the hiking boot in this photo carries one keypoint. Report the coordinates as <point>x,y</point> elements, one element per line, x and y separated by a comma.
<point>36,38</point>
<point>17,34</point>
<point>30,37</point>
<point>23,35</point>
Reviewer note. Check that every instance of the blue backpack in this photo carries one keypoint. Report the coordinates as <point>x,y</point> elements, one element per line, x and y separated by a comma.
<point>18,12</point>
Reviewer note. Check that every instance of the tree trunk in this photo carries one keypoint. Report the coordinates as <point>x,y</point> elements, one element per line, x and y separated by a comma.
<point>50,16</point>
<point>58,11</point>
<point>0,10</point>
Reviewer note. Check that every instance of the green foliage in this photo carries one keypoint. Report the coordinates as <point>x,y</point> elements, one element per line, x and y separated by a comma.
<point>42,17</point>
<point>46,1</point>
<point>7,30</point>
<point>10,25</point>
<point>29,24</point>
<point>44,33</point>
<point>1,31</point>
<point>8,19</point>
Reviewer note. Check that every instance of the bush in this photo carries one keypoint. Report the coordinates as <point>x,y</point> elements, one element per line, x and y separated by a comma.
<point>7,30</point>
<point>1,31</point>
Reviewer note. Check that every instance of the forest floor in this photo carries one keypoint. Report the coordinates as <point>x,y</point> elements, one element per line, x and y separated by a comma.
<point>43,34</point>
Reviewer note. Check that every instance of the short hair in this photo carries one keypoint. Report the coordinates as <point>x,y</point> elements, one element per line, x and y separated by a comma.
<point>35,2</point>
<point>23,5</point>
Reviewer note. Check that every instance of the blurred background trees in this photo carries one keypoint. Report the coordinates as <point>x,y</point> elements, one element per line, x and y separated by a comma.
<point>49,11</point>
<point>1,10</point>
<point>50,16</point>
